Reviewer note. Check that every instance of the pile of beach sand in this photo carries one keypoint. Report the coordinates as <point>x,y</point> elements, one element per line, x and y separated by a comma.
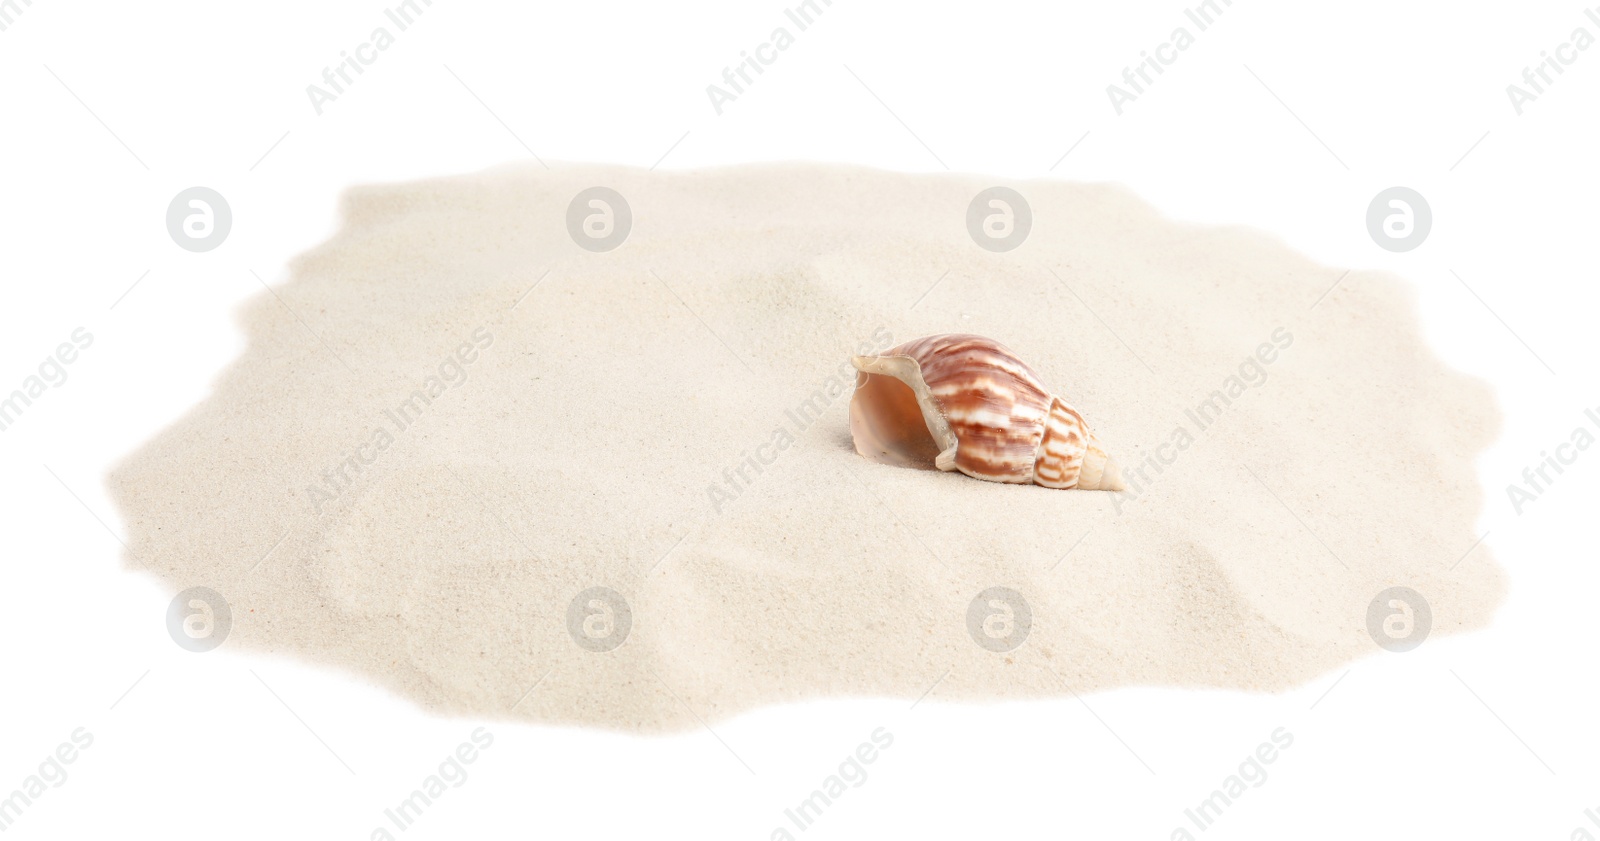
<point>466,458</point>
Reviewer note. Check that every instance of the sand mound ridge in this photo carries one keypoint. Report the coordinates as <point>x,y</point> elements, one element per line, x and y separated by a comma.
<point>454,424</point>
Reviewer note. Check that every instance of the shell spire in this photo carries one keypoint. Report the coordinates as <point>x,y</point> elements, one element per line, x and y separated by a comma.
<point>956,401</point>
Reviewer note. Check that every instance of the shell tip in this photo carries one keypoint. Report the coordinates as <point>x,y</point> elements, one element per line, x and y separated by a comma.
<point>1111,476</point>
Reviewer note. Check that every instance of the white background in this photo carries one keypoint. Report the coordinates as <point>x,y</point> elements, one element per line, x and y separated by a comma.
<point>109,109</point>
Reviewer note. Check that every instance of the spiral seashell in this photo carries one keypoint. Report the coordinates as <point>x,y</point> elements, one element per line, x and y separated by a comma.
<point>961,402</point>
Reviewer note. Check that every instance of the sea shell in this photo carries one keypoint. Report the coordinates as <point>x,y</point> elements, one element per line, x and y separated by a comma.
<point>961,402</point>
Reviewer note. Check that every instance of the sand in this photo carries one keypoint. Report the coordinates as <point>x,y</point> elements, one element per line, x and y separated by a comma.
<point>669,420</point>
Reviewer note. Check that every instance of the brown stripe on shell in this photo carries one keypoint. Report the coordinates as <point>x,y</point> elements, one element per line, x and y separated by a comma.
<point>988,414</point>
<point>995,404</point>
<point>1062,449</point>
